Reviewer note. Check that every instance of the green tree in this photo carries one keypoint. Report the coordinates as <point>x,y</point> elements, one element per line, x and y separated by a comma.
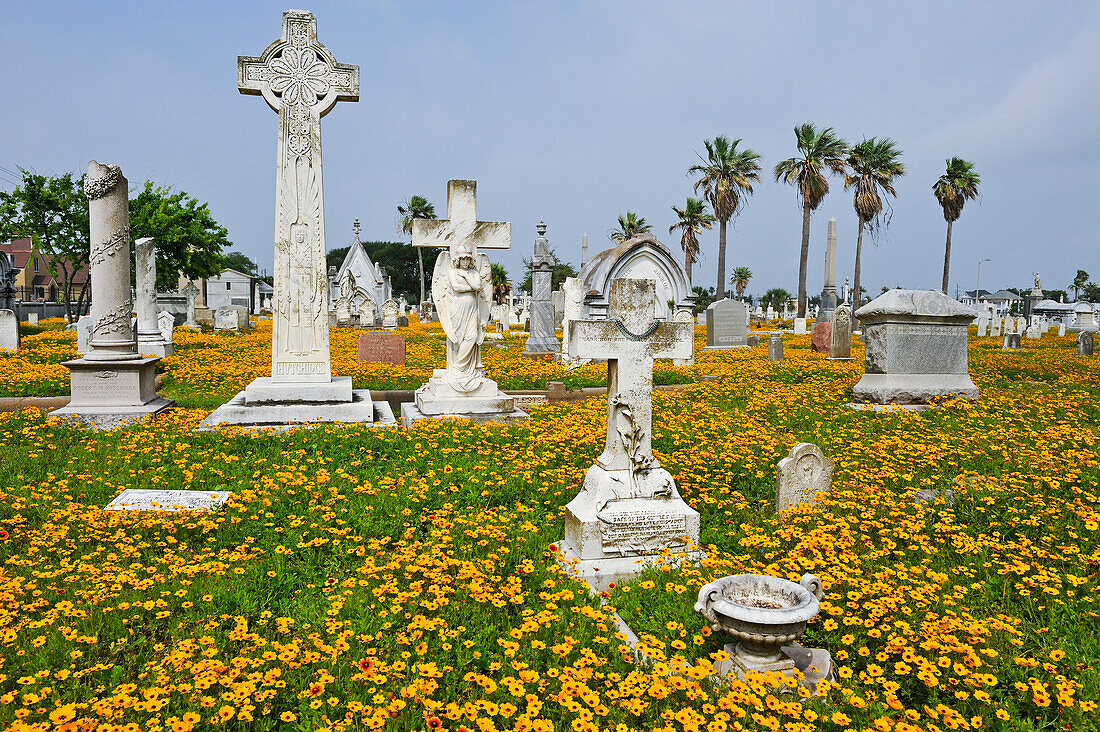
<point>953,189</point>
<point>630,226</point>
<point>53,212</point>
<point>238,261</point>
<point>821,151</point>
<point>693,218</point>
<point>559,270</point>
<point>501,288</point>
<point>188,240</point>
<point>704,296</point>
<point>1091,291</point>
<point>775,298</point>
<point>335,257</point>
<point>1079,281</point>
<point>740,279</point>
<point>416,207</point>
<point>874,164</point>
<point>726,176</point>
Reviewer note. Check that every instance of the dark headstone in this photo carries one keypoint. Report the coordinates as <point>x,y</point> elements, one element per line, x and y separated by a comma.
<point>402,321</point>
<point>381,347</point>
<point>727,324</point>
<point>1012,341</point>
<point>1084,343</point>
<point>752,340</point>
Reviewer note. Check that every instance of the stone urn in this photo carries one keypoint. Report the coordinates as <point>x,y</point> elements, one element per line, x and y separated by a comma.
<point>763,613</point>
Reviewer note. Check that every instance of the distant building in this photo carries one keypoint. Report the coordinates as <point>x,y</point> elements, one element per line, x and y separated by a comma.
<point>367,284</point>
<point>230,287</point>
<point>34,281</point>
<point>997,303</point>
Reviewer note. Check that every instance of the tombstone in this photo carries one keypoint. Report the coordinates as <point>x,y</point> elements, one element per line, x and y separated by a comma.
<point>8,273</point>
<point>32,318</point>
<point>542,339</point>
<point>558,299</point>
<point>628,509</point>
<point>727,324</point>
<point>166,324</point>
<point>1061,329</point>
<point>840,334</point>
<point>226,318</point>
<point>1012,342</point>
<point>642,257</point>
<point>424,312</point>
<point>1021,325</point>
<point>149,340</point>
<point>112,384</point>
<point>915,354</point>
<point>9,331</point>
<point>377,347</point>
<point>143,499</point>
<point>752,340</point>
<point>801,475</point>
<point>775,347</point>
<point>1034,331</point>
<point>462,290</point>
<point>770,314</point>
<point>995,331</point>
<point>983,325</point>
<point>821,337</point>
<point>800,326</point>
<point>1084,343</point>
<point>402,321</point>
<point>342,310</point>
<point>573,304</point>
<point>190,291</point>
<point>83,333</point>
<point>301,81</point>
<point>390,312</point>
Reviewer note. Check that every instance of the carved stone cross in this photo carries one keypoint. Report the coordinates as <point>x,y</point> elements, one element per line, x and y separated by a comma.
<point>300,79</point>
<point>461,225</point>
<point>630,339</point>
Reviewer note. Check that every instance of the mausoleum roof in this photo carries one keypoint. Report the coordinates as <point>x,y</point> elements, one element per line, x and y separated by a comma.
<point>1052,305</point>
<point>915,303</point>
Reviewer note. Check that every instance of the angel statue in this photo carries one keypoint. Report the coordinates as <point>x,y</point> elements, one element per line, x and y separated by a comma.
<point>462,288</point>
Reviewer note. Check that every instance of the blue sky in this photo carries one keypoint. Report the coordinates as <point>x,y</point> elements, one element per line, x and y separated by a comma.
<point>574,112</point>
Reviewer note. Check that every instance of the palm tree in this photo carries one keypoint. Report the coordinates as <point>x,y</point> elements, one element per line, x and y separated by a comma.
<point>821,151</point>
<point>416,207</point>
<point>726,177</point>
<point>501,288</point>
<point>694,217</point>
<point>874,164</point>
<point>958,184</point>
<point>740,279</point>
<point>630,226</point>
<point>1078,282</point>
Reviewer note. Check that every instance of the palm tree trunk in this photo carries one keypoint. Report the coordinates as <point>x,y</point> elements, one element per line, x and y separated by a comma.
<point>801,313</point>
<point>855,276</point>
<point>947,257</point>
<point>720,290</point>
<point>687,270</point>
<point>420,261</point>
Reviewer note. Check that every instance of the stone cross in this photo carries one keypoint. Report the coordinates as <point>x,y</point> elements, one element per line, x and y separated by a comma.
<point>630,339</point>
<point>190,291</point>
<point>461,225</point>
<point>300,80</point>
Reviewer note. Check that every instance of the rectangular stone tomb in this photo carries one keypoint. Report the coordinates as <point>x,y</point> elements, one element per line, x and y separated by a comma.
<point>139,499</point>
<point>360,409</point>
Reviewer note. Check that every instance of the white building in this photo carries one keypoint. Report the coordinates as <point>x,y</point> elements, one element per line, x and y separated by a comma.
<point>368,284</point>
<point>996,303</point>
<point>229,288</point>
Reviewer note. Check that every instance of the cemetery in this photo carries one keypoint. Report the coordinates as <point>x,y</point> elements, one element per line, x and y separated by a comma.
<point>613,501</point>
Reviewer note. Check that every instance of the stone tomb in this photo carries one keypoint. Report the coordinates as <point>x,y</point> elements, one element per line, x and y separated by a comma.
<point>231,317</point>
<point>139,499</point>
<point>727,324</point>
<point>32,318</point>
<point>801,475</point>
<point>628,510</point>
<point>378,347</point>
<point>390,312</point>
<point>9,331</point>
<point>915,352</point>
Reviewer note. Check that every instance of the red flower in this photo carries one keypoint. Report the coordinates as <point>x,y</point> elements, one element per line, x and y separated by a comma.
<point>3,535</point>
<point>366,665</point>
<point>434,723</point>
<point>553,547</point>
<point>316,689</point>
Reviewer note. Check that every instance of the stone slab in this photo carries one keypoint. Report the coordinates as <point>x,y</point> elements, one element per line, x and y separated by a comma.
<point>110,384</point>
<point>913,388</point>
<point>361,410</point>
<point>264,390</point>
<point>598,574</point>
<point>891,407</point>
<point>140,499</point>
<point>9,331</point>
<point>410,413</point>
<point>727,324</point>
<point>112,417</point>
<point>375,347</point>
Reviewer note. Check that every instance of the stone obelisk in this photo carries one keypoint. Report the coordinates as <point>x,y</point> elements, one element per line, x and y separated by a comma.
<point>828,293</point>
<point>542,340</point>
<point>112,384</point>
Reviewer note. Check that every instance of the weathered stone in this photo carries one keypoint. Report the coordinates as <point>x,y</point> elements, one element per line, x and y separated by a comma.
<point>800,326</point>
<point>727,324</point>
<point>1011,342</point>
<point>821,337</point>
<point>9,331</point>
<point>1084,343</point>
<point>390,313</point>
<point>402,321</point>
<point>828,292</point>
<point>915,352</point>
<point>775,347</point>
<point>643,257</point>
<point>166,324</point>
<point>542,338</point>
<point>150,342</point>
<point>32,318</point>
<point>231,317</point>
<point>801,475</point>
<point>752,340</point>
<point>83,333</point>
<point>995,330</point>
<point>840,333</point>
<point>141,499</point>
<point>376,347</point>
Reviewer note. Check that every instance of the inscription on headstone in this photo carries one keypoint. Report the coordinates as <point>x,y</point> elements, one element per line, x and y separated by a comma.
<point>138,499</point>
<point>378,347</point>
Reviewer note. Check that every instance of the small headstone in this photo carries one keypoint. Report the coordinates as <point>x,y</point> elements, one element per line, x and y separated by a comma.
<point>1034,331</point>
<point>402,321</point>
<point>821,337</point>
<point>1084,343</point>
<point>995,331</point>
<point>800,326</point>
<point>32,318</point>
<point>1012,341</point>
<point>83,333</point>
<point>775,347</point>
<point>752,340</point>
<point>342,310</point>
<point>166,323</point>
<point>1021,324</point>
<point>140,499</point>
<point>376,347</point>
<point>390,312</point>
<point>226,319</point>
<point>983,325</point>
<point>1061,329</point>
<point>9,331</point>
<point>727,324</point>
<point>840,333</point>
<point>802,475</point>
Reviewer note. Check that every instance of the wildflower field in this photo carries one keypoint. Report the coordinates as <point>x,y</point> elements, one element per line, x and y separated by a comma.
<point>405,580</point>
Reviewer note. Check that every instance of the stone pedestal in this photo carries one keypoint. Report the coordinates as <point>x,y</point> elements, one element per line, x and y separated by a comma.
<point>542,339</point>
<point>438,398</point>
<point>915,349</point>
<point>110,394</point>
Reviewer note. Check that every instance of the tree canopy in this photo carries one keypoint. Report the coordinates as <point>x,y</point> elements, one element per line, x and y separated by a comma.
<point>188,240</point>
<point>240,262</point>
<point>558,272</point>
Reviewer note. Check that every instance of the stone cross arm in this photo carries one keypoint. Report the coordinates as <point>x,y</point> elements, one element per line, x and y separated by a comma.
<point>461,225</point>
<point>607,339</point>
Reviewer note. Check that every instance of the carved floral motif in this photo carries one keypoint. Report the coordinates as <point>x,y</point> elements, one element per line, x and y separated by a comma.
<point>98,187</point>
